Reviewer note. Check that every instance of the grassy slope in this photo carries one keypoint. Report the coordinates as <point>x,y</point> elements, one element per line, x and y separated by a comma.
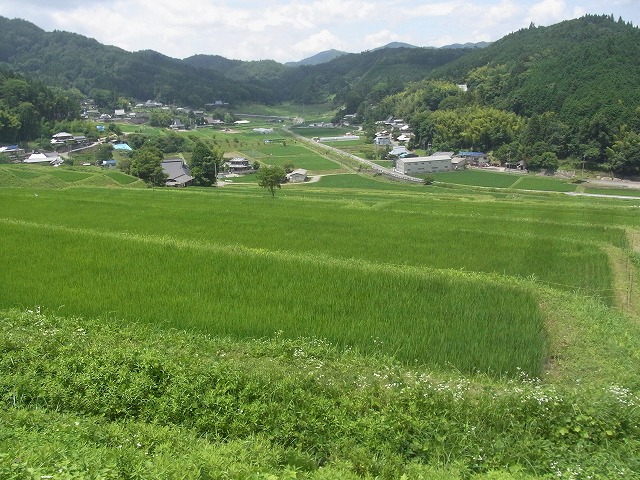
<point>114,399</point>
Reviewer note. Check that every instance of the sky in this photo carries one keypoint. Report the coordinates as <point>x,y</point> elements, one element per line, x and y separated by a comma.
<point>291,30</point>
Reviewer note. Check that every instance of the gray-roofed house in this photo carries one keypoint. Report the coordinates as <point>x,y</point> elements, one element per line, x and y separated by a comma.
<point>178,173</point>
<point>52,158</point>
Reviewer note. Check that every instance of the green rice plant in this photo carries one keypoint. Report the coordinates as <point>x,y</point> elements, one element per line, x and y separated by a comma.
<point>412,314</point>
<point>531,182</point>
<point>8,179</point>
<point>121,178</point>
<point>69,176</point>
<point>354,181</point>
<point>480,178</point>
<point>374,227</point>
<point>625,192</point>
<point>26,173</point>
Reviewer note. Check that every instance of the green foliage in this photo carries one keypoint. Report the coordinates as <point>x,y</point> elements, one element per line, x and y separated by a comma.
<point>271,177</point>
<point>472,128</point>
<point>624,154</point>
<point>160,118</point>
<point>547,161</point>
<point>25,105</point>
<point>104,151</point>
<point>205,164</point>
<point>146,165</point>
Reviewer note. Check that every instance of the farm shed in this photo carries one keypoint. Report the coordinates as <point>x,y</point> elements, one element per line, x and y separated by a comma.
<point>297,176</point>
<point>431,164</point>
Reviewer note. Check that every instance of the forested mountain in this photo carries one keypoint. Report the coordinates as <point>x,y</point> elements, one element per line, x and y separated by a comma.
<point>348,78</point>
<point>73,61</point>
<point>567,91</point>
<point>318,58</point>
<point>27,107</point>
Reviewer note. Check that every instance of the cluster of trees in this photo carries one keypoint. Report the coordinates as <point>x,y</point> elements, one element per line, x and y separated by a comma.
<point>205,164</point>
<point>29,109</point>
<point>145,161</point>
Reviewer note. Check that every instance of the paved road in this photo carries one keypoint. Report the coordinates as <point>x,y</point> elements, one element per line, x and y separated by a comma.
<point>384,171</point>
<point>601,195</point>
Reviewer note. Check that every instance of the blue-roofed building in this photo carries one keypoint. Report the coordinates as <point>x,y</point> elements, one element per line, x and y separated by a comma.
<point>122,146</point>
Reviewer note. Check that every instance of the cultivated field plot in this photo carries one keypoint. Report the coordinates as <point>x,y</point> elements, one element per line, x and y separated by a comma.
<point>531,182</point>
<point>625,192</point>
<point>290,153</point>
<point>311,132</point>
<point>480,178</point>
<point>420,277</point>
<point>36,176</point>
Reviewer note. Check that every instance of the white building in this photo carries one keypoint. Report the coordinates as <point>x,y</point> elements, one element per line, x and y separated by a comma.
<point>382,140</point>
<point>431,164</point>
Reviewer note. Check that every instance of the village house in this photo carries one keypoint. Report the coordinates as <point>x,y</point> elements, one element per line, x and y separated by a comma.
<point>51,158</point>
<point>474,158</point>
<point>238,165</point>
<point>60,138</point>
<point>398,151</point>
<point>382,140</point>
<point>178,173</point>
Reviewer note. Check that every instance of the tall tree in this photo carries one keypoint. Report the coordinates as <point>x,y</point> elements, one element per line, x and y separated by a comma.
<point>271,178</point>
<point>205,164</point>
<point>146,164</point>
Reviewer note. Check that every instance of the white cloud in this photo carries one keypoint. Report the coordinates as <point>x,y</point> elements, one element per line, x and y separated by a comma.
<point>548,11</point>
<point>379,39</point>
<point>316,43</point>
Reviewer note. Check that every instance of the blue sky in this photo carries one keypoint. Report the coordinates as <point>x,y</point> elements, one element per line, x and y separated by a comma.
<point>290,30</point>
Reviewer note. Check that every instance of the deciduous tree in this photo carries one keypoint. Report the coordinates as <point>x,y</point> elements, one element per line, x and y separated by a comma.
<point>146,164</point>
<point>271,178</point>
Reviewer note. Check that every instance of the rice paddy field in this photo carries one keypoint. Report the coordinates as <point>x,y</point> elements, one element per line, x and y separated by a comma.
<point>349,328</point>
<point>367,270</point>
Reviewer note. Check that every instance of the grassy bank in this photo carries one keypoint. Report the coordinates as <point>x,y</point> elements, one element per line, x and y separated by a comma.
<point>86,397</point>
